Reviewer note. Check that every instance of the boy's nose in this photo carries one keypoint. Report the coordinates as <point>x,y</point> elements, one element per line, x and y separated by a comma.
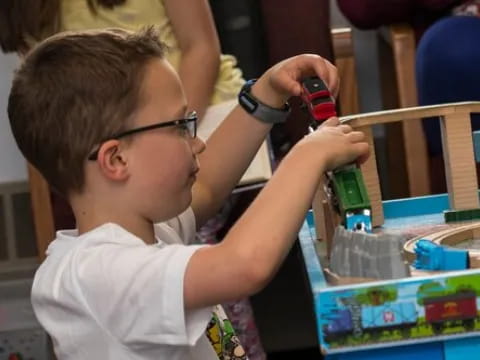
<point>198,145</point>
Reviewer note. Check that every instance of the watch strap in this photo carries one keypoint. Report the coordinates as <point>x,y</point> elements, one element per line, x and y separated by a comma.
<point>259,110</point>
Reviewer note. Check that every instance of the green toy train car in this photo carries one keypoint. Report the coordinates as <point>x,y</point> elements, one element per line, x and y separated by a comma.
<point>352,198</point>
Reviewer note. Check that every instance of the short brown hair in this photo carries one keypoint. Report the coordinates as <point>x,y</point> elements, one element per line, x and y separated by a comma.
<point>73,91</point>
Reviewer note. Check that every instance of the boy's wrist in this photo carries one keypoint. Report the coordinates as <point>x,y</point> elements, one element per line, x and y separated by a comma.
<point>310,154</point>
<point>300,162</point>
<point>261,102</point>
<point>267,94</point>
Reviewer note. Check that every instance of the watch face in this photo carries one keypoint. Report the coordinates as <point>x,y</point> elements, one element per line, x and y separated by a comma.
<point>248,103</point>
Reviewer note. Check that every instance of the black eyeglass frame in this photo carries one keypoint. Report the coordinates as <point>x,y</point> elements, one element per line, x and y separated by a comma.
<point>192,117</point>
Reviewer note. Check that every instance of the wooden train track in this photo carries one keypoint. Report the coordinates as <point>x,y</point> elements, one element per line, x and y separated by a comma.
<point>450,237</point>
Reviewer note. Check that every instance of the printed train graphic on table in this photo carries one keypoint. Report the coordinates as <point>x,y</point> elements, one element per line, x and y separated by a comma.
<point>440,312</point>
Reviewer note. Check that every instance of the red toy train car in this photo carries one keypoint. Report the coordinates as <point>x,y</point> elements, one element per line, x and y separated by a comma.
<point>318,99</point>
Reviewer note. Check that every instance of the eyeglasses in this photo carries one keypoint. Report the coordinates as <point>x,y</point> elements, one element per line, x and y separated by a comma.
<point>188,126</point>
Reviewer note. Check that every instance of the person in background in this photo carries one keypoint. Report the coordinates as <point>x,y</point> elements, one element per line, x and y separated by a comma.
<point>372,14</point>
<point>447,57</point>
<point>447,71</point>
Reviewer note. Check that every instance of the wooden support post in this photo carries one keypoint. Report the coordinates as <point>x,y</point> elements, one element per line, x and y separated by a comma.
<point>319,213</point>
<point>372,182</point>
<point>325,218</point>
<point>460,166</point>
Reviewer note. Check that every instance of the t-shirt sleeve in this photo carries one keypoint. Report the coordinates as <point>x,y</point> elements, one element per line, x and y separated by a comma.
<point>136,293</point>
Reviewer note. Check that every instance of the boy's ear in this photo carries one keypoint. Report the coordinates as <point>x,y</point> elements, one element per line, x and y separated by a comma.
<point>112,161</point>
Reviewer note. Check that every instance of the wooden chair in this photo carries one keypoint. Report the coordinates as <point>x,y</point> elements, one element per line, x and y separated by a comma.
<point>342,40</point>
<point>42,210</point>
<point>408,156</point>
<point>407,153</point>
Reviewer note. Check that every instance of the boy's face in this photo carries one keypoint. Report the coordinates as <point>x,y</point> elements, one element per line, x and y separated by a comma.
<point>163,162</point>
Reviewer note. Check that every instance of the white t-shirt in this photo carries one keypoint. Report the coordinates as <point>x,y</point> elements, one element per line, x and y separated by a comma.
<point>107,295</point>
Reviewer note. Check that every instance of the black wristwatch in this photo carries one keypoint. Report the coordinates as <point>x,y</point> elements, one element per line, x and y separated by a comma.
<point>259,110</point>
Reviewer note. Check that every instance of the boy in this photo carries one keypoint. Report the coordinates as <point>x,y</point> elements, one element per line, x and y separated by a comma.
<point>103,116</point>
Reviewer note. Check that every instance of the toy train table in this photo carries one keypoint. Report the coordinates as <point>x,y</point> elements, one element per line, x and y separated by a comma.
<point>430,315</point>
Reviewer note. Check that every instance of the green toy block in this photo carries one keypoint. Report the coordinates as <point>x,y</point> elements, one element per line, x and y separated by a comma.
<point>461,215</point>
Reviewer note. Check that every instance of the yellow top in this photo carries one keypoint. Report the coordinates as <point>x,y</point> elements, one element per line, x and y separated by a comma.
<point>133,15</point>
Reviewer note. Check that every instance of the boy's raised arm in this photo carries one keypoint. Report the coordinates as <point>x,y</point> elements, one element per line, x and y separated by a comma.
<point>234,144</point>
<point>255,247</point>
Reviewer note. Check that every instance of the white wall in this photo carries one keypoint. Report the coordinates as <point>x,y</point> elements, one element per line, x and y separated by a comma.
<point>12,163</point>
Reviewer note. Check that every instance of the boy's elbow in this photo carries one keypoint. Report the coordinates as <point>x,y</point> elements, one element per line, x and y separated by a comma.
<point>250,281</point>
<point>258,279</point>
<point>257,274</point>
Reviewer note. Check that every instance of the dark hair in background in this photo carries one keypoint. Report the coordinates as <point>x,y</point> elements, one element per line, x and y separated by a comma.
<point>25,21</point>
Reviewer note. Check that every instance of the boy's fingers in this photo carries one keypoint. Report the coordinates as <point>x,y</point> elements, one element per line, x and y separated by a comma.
<point>364,151</point>
<point>329,74</point>
<point>290,78</point>
<point>356,136</point>
<point>345,128</point>
<point>291,86</point>
<point>333,121</point>
<point>334,80</point>
<point>296,89</point>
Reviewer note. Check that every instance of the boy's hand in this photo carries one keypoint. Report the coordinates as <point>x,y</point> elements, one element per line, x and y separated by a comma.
<point>283,80</point>
<point>335,145</point>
